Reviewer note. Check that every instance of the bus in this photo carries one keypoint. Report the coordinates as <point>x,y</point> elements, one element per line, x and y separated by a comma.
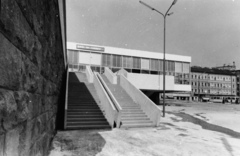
<point>216,99</point>
<point>220,99</point>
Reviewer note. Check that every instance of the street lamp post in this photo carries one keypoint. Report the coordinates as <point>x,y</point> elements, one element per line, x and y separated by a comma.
<point>164,38</point>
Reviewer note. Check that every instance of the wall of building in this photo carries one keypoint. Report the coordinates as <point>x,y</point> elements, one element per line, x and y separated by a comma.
<point>150,82</point>
<point>213,84</point>
<point>31,72</point>
<point>238,82</point>
<point>128,52</point>
<point>78,59</point>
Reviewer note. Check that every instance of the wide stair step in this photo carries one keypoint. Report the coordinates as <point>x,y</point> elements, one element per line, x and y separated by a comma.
<point>73,119</point>
<point>86,122</point>
<point>142,117</point>
<point>136,125</point>
<point>84,115</point>
<point>77,127</point>
<point>87,111</point>
<point>81,102</point>
<point>83,107</point>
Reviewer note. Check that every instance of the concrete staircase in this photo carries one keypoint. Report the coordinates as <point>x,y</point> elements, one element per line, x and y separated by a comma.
<point>132,114</point>
<point>83,111</point>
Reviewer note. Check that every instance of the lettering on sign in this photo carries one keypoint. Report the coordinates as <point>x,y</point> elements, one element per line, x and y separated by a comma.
<point>89,48</point>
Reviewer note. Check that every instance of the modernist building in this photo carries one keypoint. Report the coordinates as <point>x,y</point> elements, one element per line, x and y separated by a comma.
<point>211,82</point>
<point>145,68</point>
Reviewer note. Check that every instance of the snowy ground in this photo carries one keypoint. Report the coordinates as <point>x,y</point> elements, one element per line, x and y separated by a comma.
<point>189,129</point>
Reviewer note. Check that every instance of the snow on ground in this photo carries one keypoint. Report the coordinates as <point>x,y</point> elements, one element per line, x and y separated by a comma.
<point>183,132</point>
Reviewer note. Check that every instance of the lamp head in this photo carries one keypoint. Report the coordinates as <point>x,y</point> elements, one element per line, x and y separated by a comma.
<point>174,2</point>
<point>169,14</point>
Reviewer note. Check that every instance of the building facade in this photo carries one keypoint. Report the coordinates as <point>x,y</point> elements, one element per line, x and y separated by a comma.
<point>237,73</point>
<point>145,68</point>
<point>210,83</point>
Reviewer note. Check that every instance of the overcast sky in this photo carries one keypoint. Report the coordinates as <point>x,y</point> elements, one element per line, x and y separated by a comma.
<point>206,30</point>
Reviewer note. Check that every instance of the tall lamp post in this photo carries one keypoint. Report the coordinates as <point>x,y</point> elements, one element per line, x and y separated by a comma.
<point>164,37</point>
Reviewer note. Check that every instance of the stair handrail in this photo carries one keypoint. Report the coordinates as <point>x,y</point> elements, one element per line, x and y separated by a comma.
<point>148,107</point>
<point>89,74</point>
<point>116,104</point>
<point>110,75</point>
<point>66,97</point>
<point>112,114</point>
<point>122,71</point>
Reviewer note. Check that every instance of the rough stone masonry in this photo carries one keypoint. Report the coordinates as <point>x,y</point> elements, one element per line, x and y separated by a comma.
<point>31,75</point>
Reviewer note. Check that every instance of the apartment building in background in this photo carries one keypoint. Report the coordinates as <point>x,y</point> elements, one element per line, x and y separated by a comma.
<point>212,83</point>
<point>237,73</point>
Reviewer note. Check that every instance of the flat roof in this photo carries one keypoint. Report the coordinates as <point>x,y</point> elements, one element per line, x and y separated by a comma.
<point>206,70</point>
<point>126,52</point>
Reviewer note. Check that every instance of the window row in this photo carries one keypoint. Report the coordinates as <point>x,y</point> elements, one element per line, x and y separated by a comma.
<point>212,85</point>
<point>197,91</point>
<point>221,78</point>
<point>117,61</point>
<point>143,63</point>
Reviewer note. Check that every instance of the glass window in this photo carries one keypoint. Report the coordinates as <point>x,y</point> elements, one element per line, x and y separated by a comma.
<point>154,64</point>
<point>186,67</point>
<point>117,61</point>
<point>178,78</point>
<point>106,60</point>
<point>70,56</point>
<point>178,67</point>
<point>136,63</point>
<point>127,62</point>
<point>170,66</point>
<point>161,65</point>
<point>144,63</point>
<point>166,65</point>
<point>73,57</point>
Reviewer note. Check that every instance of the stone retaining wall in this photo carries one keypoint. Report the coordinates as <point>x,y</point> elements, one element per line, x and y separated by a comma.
<point>31,75</point>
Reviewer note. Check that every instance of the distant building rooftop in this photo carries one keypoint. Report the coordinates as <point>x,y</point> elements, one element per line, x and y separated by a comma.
<point>227,67</point>
<point>198,69</point>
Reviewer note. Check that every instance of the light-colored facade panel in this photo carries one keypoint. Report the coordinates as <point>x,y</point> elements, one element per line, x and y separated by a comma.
<point>95,59</point>
<point>84,58</point>
<point>150,82</point>
<point>182,87</point>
